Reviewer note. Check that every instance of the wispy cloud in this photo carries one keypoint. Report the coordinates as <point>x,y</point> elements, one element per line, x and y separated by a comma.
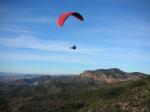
<point>58,51</point>
<point>96,59</point>
<point>39,20</point>
<point>27,41</point>
<point>30,42</point>
<point>27,19</point>
<point>63,58</point>
<point>17,30</point>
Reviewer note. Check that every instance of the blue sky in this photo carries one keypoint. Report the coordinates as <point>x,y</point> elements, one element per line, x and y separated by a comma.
<point>115,33</point>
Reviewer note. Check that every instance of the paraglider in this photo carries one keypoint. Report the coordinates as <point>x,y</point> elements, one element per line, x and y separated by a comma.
<point>73,47</point>
<point>62,18</point>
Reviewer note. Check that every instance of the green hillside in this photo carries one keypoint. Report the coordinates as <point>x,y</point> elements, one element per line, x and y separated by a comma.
<point>131,96</point>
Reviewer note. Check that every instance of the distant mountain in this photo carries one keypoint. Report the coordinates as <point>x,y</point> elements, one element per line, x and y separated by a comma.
<point>111,75</point>
<point>53,80</point>
<point>8,77</point>
<point>87,77</point>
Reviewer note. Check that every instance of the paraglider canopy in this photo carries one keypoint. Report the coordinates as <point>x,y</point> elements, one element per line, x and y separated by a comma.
<point>62,18</point>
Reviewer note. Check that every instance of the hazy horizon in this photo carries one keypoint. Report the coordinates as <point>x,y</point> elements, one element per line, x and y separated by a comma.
<point>34,73</point>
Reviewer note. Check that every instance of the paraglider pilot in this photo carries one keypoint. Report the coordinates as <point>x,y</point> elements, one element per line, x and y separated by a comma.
<point>73,47</point>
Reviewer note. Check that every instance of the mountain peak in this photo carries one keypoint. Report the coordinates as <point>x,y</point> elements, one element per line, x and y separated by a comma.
<point>111,75</point>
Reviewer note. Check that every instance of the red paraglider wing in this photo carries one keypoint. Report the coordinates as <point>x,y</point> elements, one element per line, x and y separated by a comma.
<point>64,16</point>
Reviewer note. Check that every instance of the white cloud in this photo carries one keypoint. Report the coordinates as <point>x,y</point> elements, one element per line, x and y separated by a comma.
<point>8,29</point>
<point>39,20</point>
<point>26,41</point>
<point>29,19</point>
<point>58,51</point>
<point>64,58</point>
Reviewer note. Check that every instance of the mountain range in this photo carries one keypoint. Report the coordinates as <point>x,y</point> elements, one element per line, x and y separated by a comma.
<point>96,76</point>
<point>111,75</point>
<point>102,90</point>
